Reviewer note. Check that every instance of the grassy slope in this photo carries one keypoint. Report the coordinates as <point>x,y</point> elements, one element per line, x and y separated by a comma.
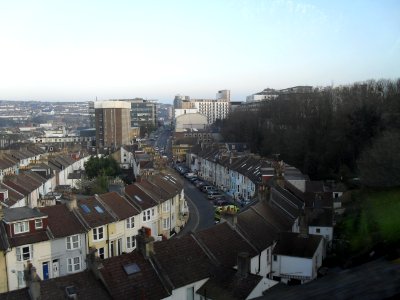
<point>377,220</point>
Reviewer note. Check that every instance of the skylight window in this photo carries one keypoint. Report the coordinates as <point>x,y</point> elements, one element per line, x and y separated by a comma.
<point>99,209</point>
<point>131,269</point>
<point>85,208</point>
<point>138,198</point>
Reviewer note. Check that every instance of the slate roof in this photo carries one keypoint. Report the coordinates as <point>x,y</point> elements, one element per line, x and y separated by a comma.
<point>21,213</point>
<point>224,243</point>
<point>273,216</point>
<point>139,197</point>
<point>13,195</point>
<point>320,217</point>
<point>122,208</point>
<point>260,233</point>
<point>17,187</point>
<point>183,260</point>
<point>294,244</point>
<point>92,217</point>
<point>61,221</point>
<point>85,283</point>
<point>285,201</point>
<point>226,284</point>
<point>144,284</point>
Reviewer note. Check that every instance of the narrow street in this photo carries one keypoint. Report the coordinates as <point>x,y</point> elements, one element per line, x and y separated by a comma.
<point>201,211</point>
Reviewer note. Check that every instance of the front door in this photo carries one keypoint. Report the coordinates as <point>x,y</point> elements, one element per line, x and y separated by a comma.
<point>56,268</point>
<point>112,247</point>
<point>119,246</point>
<point>45,267</point>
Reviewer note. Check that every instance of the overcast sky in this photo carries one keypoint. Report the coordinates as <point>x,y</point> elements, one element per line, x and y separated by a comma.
<point>80,50</point>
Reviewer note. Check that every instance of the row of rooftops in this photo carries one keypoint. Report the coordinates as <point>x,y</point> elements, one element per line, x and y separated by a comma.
<point>22,184</point>
<point>101,209</point>
<point>209,253</point>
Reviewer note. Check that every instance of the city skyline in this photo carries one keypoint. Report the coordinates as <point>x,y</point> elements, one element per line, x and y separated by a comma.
<point>75,51</point>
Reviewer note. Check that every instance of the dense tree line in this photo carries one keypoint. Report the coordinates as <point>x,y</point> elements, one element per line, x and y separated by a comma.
<point>328,133</point>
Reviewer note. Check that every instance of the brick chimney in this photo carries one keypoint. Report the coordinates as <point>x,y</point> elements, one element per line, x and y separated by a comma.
<point>33,282</point>
<point>145,242</point>
<point>243,264</point>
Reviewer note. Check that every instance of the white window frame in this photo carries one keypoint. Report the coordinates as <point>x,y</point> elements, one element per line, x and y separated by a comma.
<point>130,242</point>
<point>73,244</point>
<point>165,206</point>
<point>166,224</point>
<point>74,264</point>
<point>20,252</point>
<point>38,223</point>
<point>130,222</point>
<point>146,215</point>
<point>21,227</point>
<point>97,233</point>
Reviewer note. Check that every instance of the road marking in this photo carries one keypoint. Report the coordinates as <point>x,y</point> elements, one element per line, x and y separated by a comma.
<point>197,213</point>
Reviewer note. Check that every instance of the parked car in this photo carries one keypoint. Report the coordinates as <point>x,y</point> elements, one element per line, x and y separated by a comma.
<point>193,179</point>
<point>200,184</point>
<point>221,202</point>
<point>207,188</point>
<point>189,175</point>
<point>215,195</point>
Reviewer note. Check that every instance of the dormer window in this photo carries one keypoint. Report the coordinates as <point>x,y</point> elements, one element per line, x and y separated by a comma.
<point>21,227</point>
<point>38,223</point>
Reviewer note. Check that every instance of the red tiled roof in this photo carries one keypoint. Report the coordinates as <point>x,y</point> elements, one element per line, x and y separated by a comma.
<point>183,260</point>
<point>143,199</point>
<point>119,205</point>
<point>61,221</point>
<point>92,216</point>
<point>30,238</point>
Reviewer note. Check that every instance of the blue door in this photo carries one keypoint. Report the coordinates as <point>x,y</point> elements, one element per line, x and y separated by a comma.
<point>45,270</point>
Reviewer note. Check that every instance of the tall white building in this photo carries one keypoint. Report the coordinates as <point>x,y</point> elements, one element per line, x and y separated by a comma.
<point>213,109</point>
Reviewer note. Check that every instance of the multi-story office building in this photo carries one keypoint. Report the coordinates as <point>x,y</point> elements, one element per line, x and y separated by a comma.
<point>143,113</point>
<point>113,123</point>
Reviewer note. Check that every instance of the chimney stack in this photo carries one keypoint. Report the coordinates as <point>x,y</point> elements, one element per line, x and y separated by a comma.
<point>72,203</point>
<point>243,264</point>
<point>145,242</point>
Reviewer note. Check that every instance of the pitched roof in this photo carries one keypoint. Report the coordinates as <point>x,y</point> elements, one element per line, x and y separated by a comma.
<point>139,196</point>
<point>227,284</point>
<point>183,260</point>
<point>224,243</point>
<point>20,189</point>
<point>21,213</point>
<point>272,215</point>
<point>61,221</point>
<point>85,284</point>
<point>119,205</point>
<point>320,217</point>
<point>144,284</point>
<point>13,195</point>
<point>93,212</point>
<point>285,201</point>
<point>294,244</point>
<point>256,230</point>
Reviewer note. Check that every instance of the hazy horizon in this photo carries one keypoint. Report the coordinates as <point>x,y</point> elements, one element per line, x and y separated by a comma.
<point>80,50</point>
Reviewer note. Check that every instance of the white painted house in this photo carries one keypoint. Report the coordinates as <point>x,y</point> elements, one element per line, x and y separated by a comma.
<point>297,257</point>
